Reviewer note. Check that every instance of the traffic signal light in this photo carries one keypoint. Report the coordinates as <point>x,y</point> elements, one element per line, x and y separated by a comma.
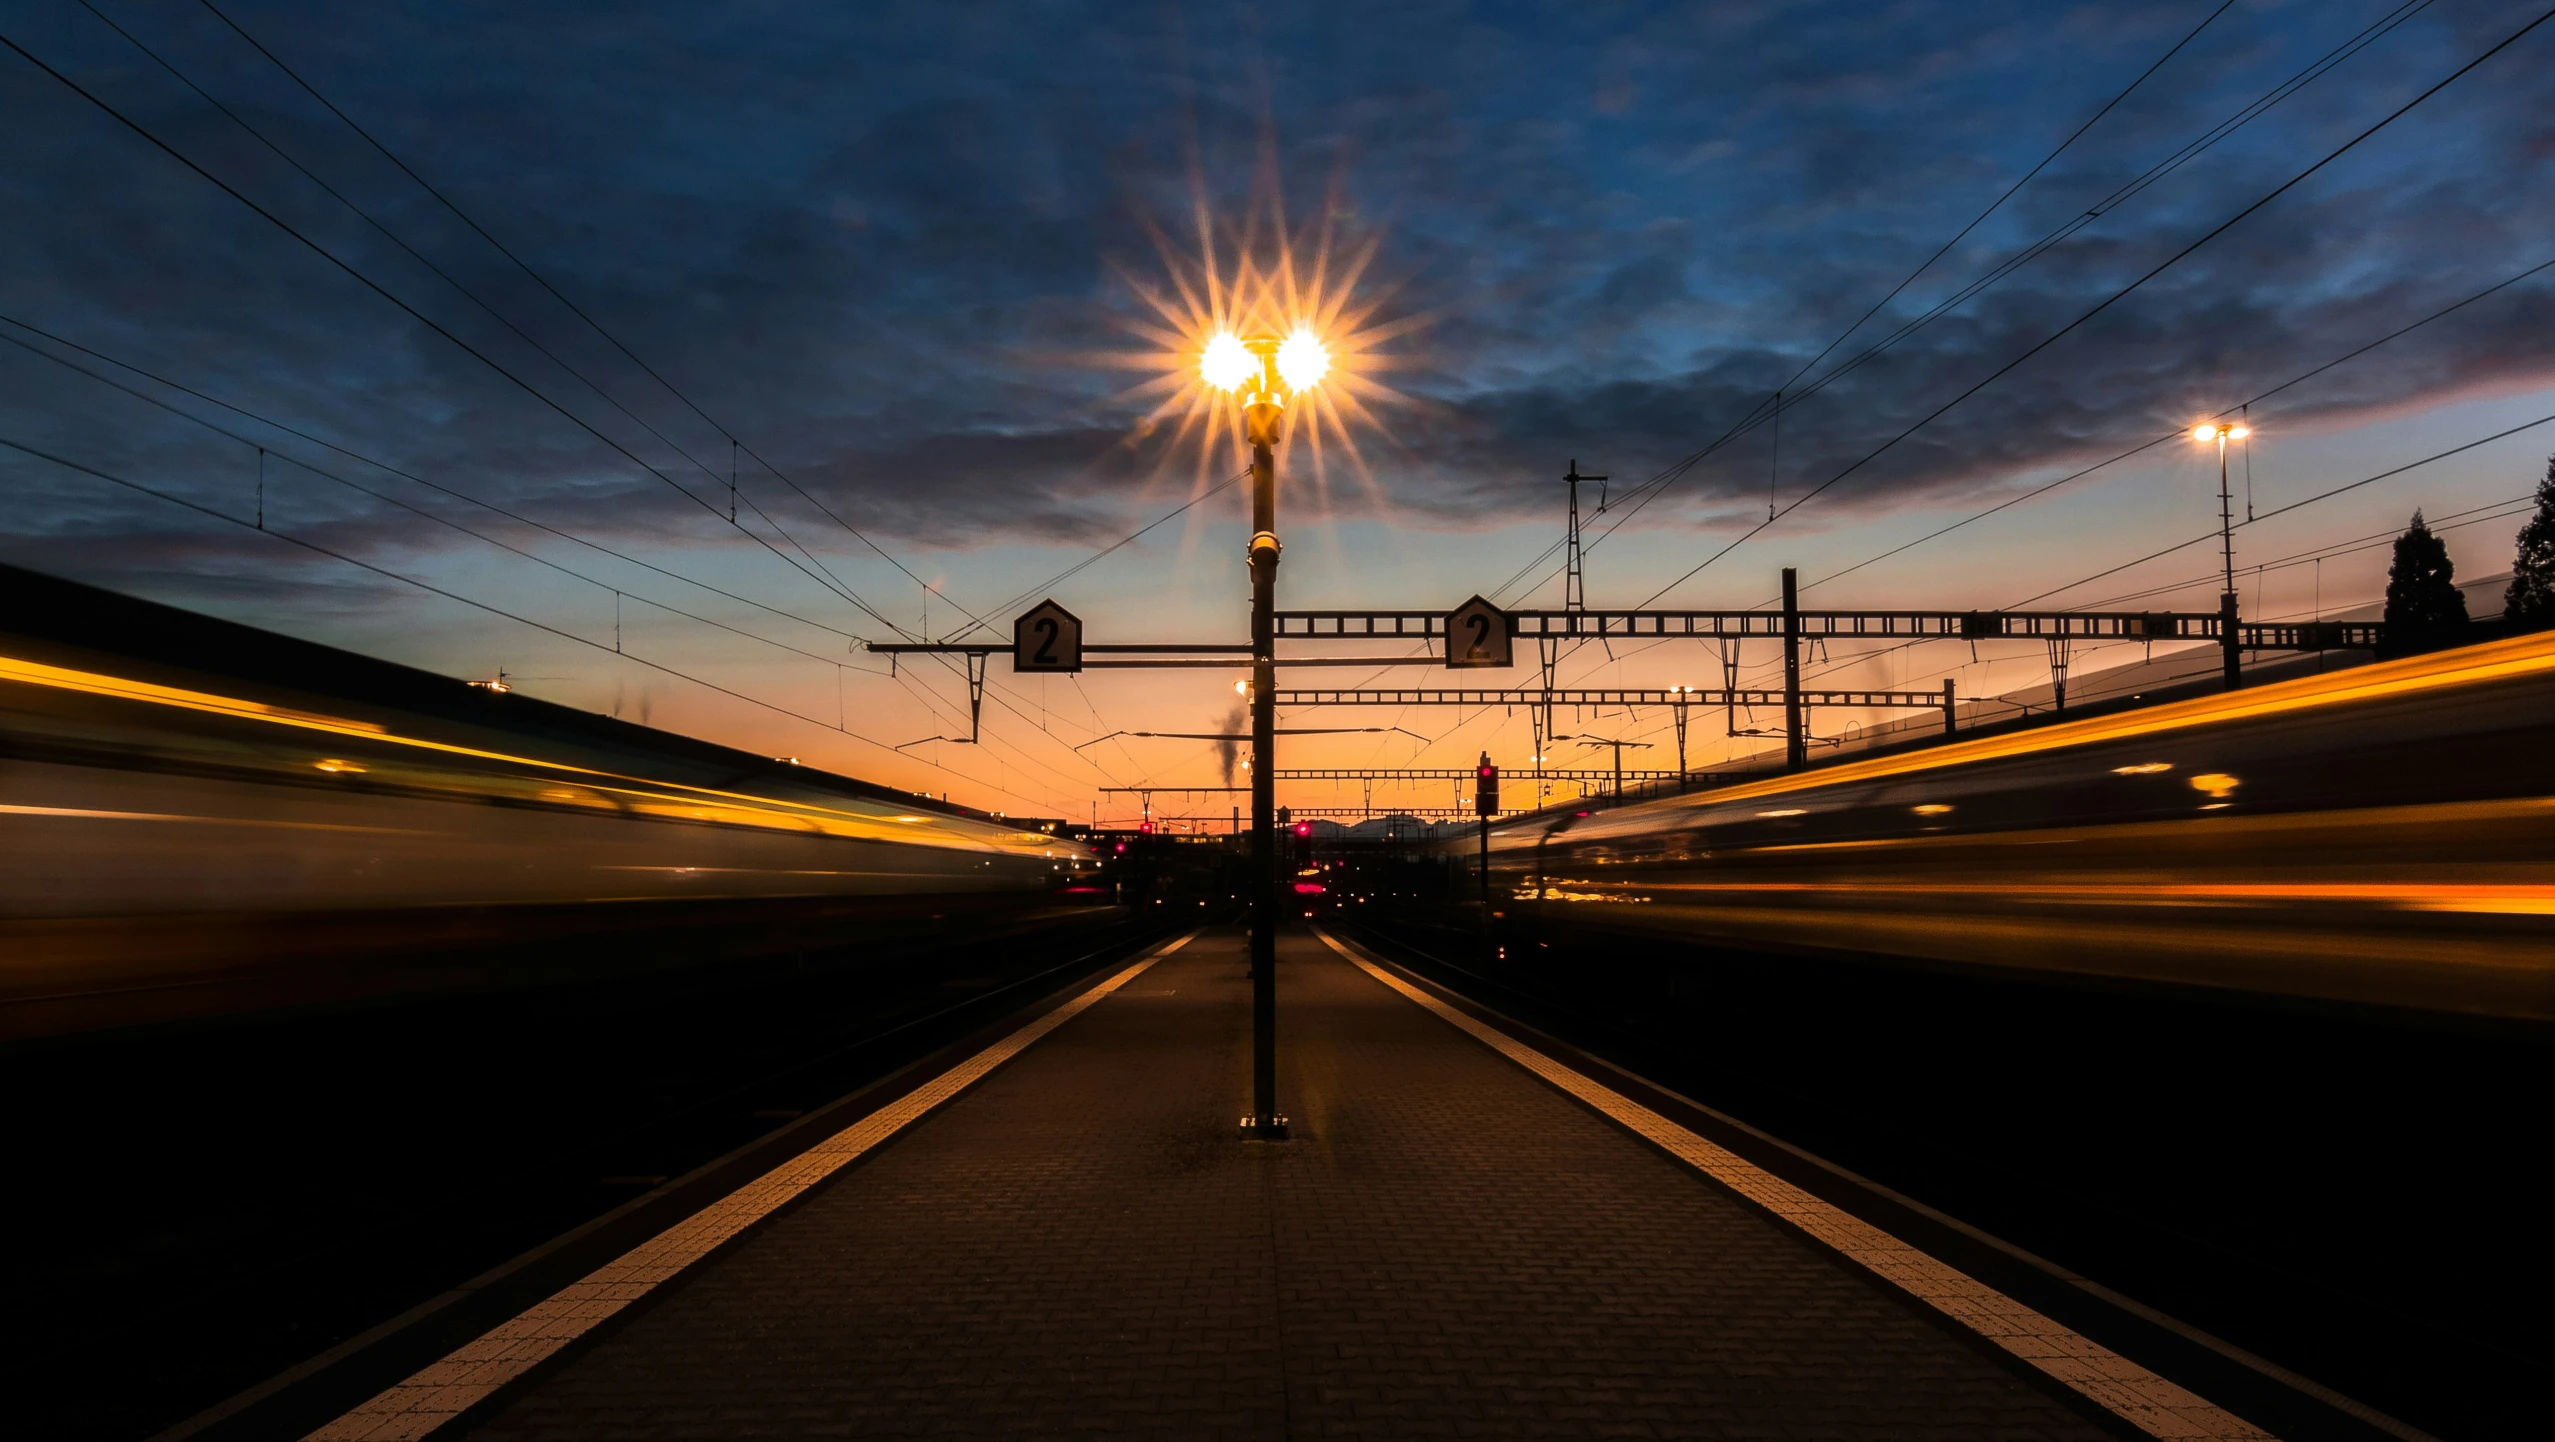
<point>1303,846</point>
<point>1486,789</point>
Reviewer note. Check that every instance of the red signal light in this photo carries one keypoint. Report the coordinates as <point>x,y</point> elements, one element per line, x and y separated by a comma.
<point>1304,828</point>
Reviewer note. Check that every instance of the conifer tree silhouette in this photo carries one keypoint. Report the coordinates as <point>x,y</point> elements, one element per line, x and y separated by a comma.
<point>2424,607</point>
<point>2529,605</point>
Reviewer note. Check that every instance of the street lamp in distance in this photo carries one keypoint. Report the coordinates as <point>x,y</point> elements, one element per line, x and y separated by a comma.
<point>2223,432</point>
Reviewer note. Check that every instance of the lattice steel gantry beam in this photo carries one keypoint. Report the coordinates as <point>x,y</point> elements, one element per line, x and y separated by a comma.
<point>1859,625</point>
<point>1627,696</point>
<point>1466,773</point>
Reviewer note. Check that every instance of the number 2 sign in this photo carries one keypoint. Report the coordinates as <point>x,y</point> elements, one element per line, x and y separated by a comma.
<point>1047,637</point>
<point>1477,636</point>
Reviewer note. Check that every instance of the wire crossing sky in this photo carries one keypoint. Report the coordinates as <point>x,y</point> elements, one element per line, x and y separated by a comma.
<point>654,354</point>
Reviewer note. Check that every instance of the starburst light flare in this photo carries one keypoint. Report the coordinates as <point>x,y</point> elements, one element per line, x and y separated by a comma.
<point>1302,360</point>
<point>1225,362</point>
<point>1258,306</point>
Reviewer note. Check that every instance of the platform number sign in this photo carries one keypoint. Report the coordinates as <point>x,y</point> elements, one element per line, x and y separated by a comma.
<point>1477,636</point>
<point>1486,789</point>
<point>1047,637</point>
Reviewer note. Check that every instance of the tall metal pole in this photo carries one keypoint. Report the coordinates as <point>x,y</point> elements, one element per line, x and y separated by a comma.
<point>1262,416</point>
<point>1796,744</point>
<point>2227,637</point>
<point>1574,580</point>
<point>1681,741</point>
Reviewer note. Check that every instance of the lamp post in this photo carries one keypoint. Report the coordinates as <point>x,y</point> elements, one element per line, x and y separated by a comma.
<point>1262,373</point>
<point>2221,432</point>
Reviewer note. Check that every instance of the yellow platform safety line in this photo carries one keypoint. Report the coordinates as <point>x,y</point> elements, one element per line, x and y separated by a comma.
<point>472,1373</point>
<point>2120,1386</point>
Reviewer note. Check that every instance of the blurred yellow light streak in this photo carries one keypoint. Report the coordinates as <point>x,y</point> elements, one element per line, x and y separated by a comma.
<point>2265,828</point>
<point>37,674</point>
<point>662,798</point>
<point>2413,676</point>
<point>2485,897</point>
<point>77,813</point>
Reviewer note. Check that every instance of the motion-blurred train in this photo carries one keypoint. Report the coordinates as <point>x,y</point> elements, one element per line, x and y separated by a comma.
<point>185,803</point>
<point>2382,836</point>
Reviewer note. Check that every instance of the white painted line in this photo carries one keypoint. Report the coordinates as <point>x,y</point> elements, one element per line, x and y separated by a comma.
<point>2122,1387</point>
<point>467,1377</point>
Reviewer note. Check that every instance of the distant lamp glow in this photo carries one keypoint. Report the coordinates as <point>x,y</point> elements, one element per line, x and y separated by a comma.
<point>2198,433</point>
<point>1302,360</point>
<point>2218,784</point>
<point>2238,432</point>
<point>1226,362</point>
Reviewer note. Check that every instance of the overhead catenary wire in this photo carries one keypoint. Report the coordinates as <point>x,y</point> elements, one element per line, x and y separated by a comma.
<point>377,464</point>
<point>1999,202</point>
<point>814,568</point>
<point>2490,511</point>
<point>1793,394</point>
<point>561,297</point>
<point>2128,190</point>
<point>390,500</point>
<point>2115,297</point>
<point>2452,521</point>
<point>366,281</point>
<point>2212,533</point>
<point>2177,434</point>
<point>316,548</point>
<point>491,507</point>
<point>1113,547</point>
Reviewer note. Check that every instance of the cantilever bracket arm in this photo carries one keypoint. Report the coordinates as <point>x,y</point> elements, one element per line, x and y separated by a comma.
<point>975,706</point>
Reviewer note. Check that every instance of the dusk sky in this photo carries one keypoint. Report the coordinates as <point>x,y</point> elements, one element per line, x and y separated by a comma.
<point>906,265</point>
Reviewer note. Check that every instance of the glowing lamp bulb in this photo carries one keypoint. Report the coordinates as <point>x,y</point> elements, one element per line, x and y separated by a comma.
<point>1226,362</point>
<point>1302,361</point>
<point>2239,433</point>
<point>2204,433</point>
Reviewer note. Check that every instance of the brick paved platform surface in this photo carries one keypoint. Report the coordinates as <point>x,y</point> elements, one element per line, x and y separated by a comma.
<point>1449,1248</point>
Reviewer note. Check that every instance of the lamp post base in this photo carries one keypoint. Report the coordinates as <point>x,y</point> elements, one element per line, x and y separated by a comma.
<point>1253,1130</point>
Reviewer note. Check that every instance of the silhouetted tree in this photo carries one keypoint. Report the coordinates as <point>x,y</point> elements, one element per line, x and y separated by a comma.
<point>2529,605</point>
<point>2424,607</point>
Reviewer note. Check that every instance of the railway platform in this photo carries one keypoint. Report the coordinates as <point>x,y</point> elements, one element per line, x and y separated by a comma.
<point>1467,1234</point>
